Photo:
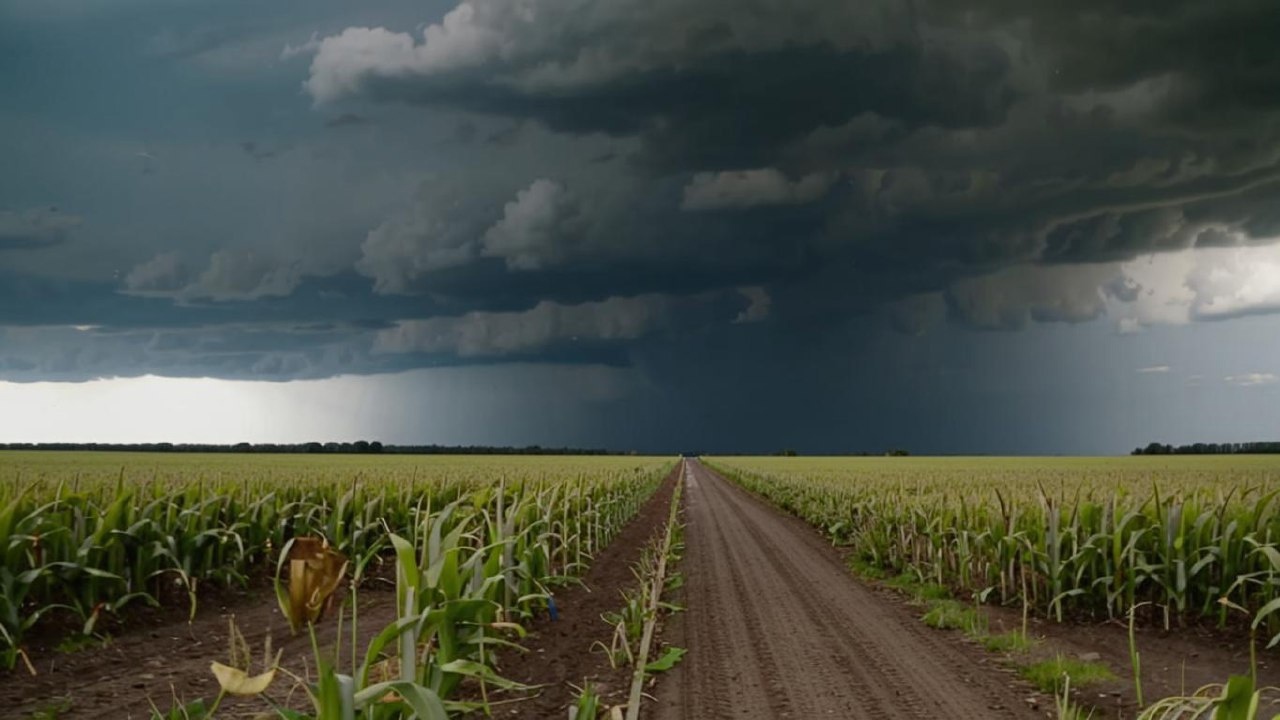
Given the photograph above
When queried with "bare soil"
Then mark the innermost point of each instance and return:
(561, 653)
(168, 659)
(1174, 662)
(776, 627)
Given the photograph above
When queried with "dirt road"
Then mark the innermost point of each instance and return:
(777, 628)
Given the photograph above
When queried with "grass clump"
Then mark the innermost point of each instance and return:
(943, 611)
(1051, 675)
(79, 643)
(52, 710)
(904, 583)
(931, 591)
(946, 613)
(1007, 642)
(866, 569)
(952, 615)
(923, 592)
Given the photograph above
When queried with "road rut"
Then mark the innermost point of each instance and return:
(776, 627)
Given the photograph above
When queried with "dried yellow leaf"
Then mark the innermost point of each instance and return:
(237, 682)
(315, 571)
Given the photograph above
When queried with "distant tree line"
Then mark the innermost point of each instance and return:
(1248, 448)
(360, 447)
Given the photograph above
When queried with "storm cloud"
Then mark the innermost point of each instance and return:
(951, 143)
(320, 189)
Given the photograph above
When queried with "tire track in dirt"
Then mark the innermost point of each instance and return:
(776, 627)
(765, 664)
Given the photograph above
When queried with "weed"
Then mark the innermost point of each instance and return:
(1051, 675)
(952, 615)
(1007, 642)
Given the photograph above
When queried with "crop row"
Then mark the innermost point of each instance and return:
(1072, 541)
(85, 548)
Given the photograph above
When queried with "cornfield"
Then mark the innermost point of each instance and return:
(475, 540)
(1069, 538)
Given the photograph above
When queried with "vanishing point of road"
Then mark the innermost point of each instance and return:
(776, 627)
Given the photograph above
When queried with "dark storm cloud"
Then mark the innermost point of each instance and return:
(1221, 52)
(32, 301)
(586, 333)
(550, 324)
(259, 351)
(587, 240)
(27, 300)
(731, 92)
(478, 188)
(713, 99)
(288, 352)
(938, 144)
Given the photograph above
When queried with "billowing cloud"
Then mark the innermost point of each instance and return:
(244, 275)
(541, 227)
(1235, 281)
(1207, 283)
(439, 231)
(1009, 299)
(749, 188)
(345, 62)
(549, 46)
(241, 275)
(482, 334)
(1213, 283)
(899, 156)
(708, 85)
(164, 274)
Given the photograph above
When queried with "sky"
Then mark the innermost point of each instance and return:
(986, 227)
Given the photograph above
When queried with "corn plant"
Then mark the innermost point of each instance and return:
(86, 535)
(1068, 538)
(1238, 699)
